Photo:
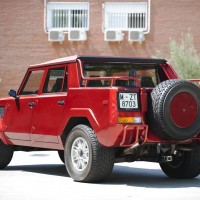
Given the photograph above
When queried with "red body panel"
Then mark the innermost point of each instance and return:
(39, 120)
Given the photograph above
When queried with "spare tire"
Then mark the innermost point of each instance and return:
(175, 110)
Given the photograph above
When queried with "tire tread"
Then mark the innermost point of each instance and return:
(102, 158)
(6, 154)
(189, 168)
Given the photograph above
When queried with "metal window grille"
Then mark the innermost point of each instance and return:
(126, 16)
(67, 15)
(136, 20)
(60, 18)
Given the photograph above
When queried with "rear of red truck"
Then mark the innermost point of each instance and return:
(139, 110)
(107, 110)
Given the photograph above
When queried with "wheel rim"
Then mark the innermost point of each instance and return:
(183, 110)
(177, 160)
(80, 154)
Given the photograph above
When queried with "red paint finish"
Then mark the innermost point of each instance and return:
(18, 115)
(40, 119)
(195, 81)
(169, 71)
(47, 114)
(183, 110)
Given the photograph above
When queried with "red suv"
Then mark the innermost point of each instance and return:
(96, 111)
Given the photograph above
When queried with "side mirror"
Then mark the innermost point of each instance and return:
(12, 93)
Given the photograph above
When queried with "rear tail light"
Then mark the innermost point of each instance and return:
(130, 118)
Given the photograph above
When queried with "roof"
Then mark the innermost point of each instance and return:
(101, 59)
(123, 59)
(57, 61)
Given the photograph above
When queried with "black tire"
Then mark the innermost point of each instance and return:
(94, 162)
(61, 155)
(6, 154)
(184, 166)
(175, 110)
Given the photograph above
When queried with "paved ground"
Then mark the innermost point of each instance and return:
(42, 176)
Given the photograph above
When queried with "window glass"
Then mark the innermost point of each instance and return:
(56, 81)
(67, 15)
(32, 84)
(126, 16)
(146, 74)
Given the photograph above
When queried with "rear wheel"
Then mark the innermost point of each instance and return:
(86, 160)
(185, 165)
(6, 154)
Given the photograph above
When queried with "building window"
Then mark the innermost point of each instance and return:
(126, 16)
(65, 16)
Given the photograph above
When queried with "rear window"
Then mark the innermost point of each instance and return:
(147, 74)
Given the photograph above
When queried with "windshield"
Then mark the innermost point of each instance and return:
(144, 73)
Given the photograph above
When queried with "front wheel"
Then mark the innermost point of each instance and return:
(86, 160)
(6, 154)
(185, 165)
(61, 155)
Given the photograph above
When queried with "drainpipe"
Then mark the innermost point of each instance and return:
(149, 17)
(45, 16)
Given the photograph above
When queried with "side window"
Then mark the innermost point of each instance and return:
(32, 83)
(56, 80)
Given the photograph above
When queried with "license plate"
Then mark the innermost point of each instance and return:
(128, 100)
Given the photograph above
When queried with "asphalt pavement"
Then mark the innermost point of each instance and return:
(42, 176)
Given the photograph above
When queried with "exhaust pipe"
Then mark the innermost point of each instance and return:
(130, 149)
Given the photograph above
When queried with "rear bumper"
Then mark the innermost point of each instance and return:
(133, 134)
(128, 135)
(123, 135)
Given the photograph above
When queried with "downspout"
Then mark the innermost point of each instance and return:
(149, 17)
(45, 16)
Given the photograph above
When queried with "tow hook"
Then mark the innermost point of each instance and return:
(166, 158)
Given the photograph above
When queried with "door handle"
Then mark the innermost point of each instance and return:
(61, 102)
(31, 104)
